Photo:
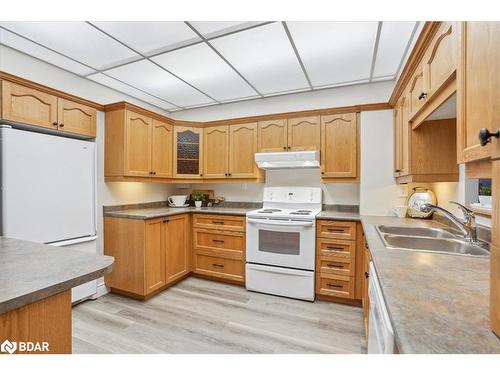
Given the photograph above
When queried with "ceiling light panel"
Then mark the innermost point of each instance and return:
(150, 37)
(394, 38)
(203, 68)
(210, 29)
(264, 56)
(77, 40)
(334, 52)
(21, 44)
(148, 77)
(131, 91)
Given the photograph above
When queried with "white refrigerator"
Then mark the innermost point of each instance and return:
(48, 192)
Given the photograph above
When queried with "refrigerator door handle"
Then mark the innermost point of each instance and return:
(73, 241)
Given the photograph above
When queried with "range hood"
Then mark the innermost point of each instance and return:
(287, 160)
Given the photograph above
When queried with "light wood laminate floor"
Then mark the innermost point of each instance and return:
(201, 316)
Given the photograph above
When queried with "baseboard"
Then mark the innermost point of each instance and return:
(102, 290)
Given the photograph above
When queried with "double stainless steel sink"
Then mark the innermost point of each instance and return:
(434, 240)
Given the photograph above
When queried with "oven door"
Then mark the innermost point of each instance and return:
(284, 243)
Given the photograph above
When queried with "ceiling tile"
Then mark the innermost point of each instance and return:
(264, 56)
(203, 68)
(77, 40)
(335, 52)
(150, 37)
(394, 38)
(21, 44)
(148, 77)
(128, 90)
(211, 29)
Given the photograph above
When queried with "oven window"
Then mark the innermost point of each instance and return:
(279, 242)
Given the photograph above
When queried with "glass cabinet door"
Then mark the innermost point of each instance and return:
(187, 152)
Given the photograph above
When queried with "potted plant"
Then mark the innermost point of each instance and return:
(198, 199)
(485, 192)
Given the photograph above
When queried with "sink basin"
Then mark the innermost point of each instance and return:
(415, 231)
(435, 245)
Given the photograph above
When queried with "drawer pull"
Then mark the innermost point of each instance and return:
(218, 222)
(334, 285)
(334, 265)
(218, 265)
(335, 248)
(218, 241)
(335, 230)
(367, 275)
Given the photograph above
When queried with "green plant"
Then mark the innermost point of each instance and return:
(485, 190)
(198, 197)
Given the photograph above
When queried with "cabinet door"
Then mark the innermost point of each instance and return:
(28, 106)
(339, 146)
(397, 138)
(161, 149)
(401, 138)
(416, 91)
(272, 136)
(242, 149)
(137, 145)
(177, 248)
(440, 60)
(76, 118)
(304, 133)
(188, 155)
(215, 154)
(155, 254)
(479, 87)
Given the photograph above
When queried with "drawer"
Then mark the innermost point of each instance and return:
(335, 286)
(336, 266)
(222, 222)
(232, 269)
(335, 248)
(229, 242)
(343, 230)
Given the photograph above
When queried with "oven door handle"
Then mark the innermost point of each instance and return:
(283, 223)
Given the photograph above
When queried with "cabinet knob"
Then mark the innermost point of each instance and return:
(422, 95)
(397, 170)
(289, 148)
(54, 123)
(225, 174)
(322, 172)
(201, 174)
(367, 275)
(61, 125)
(284, 147)
(229, 174)
(485, 136)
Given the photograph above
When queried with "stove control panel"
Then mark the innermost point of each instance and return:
(292, 194)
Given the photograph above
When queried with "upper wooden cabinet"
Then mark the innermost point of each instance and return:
(229, 151)
(339, 146)
(137, 146)
(272, 135)
(33, 107)
(216, 152)
(416, 91)
(242, 149)
(440, 60)
(293, 134)
(478, 87)
(401, 137)
(188, 152)
(304, 133)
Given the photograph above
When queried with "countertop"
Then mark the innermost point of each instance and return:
(437, 303)
(338, 215)
(31, 271)
(152, 213)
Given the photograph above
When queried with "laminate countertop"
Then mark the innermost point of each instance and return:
(155, 212)
(437, 303)
(31, 271)
(339, 215)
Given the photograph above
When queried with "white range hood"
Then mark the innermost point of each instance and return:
(287, 160)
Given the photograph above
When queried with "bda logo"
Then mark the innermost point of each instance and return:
(8, 347)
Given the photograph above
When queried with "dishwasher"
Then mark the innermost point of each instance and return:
(380, 332)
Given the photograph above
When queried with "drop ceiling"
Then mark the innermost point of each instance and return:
(179, 65)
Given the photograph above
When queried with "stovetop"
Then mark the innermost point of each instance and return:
(287, 213)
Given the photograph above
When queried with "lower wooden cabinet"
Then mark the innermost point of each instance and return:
(364, 280)
(219, 245)
(150, 255)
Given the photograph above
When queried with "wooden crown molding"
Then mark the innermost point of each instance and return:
(61, 94)
(137, 109)
(416, 55)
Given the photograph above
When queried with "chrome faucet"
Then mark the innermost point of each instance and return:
(467, 226)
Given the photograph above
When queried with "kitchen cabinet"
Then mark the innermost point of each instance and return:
(340, 146)
(219, 245)
(272, 135)
(29, 106)
(293, 134)
(401, 137)
(365, 282)
(188, 152)
(479, 87)
(229, 152)
(150, 255)
(137, 146)
(416, 91)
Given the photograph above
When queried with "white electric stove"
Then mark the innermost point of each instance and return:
(281, 238)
